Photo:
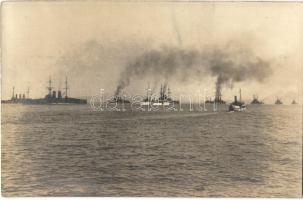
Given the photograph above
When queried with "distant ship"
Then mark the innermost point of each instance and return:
(294, 102)
(51, 98)
(218, 96)
(119, 99)
(164, 99)
(278, 102)
(216, 100)
(256, 100)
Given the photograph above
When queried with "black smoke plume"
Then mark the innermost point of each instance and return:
(228, 65)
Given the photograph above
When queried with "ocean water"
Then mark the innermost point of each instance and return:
(71, 150)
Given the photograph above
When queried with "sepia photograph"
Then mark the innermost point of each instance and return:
(151, 99)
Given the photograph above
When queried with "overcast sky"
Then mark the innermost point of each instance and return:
(92, 42)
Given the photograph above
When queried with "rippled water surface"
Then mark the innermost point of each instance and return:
(74, 151)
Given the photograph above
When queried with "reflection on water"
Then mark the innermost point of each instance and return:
(73, 151)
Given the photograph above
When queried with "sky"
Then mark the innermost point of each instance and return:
(92, 43)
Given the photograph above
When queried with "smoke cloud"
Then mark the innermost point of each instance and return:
(227, 65)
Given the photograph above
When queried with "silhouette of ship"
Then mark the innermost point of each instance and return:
(52, 97)
(294, 102)
(278, 102)
(256, 100)
(237, 106)
(216, 100)
(164, 99)
(118, 99)
(218, 96)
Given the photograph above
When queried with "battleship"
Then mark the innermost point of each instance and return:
(164, 99)
(278, 102)
(256, 100)
(53, 97)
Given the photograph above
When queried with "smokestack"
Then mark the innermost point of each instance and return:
(235, 99)
(161, 92)
(59, 94)
(13, 96)
(19, 96)
(23, 96)
(227, 65)
(66, 87)
(54, 94)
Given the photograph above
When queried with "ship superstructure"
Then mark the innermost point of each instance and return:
(118, 99)
(256, 100)
(278, 102)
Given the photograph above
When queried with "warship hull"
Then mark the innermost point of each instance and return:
(46, 101)
(55, 101)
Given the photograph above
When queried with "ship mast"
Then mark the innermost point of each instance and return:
(66, 87)
(147, 91)
(50, 87)
(218, 94)
(240, 95)
(13, 93)
(27, 92)
(161, 92)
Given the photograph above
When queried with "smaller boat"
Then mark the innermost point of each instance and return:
(237, 106)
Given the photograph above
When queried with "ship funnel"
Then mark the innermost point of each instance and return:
(54, 94)
(235, 99)
(59, 94)
(13, 96)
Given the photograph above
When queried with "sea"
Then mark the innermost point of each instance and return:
(74, 150)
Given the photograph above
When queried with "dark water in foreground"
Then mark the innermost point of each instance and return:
(73, 151)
